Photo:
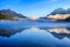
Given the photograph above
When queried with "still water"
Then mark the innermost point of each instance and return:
(34, 36)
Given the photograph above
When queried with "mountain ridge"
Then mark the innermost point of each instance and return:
(11, 13)
(60, 11)
(59, 14)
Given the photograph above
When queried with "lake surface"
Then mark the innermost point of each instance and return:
(34, 35)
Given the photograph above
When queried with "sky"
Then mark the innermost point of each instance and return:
(31, 8)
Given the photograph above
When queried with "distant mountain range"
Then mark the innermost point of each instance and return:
(10, 13)
(60, 11)
(60, 14)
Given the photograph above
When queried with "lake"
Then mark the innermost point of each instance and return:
(25, 34)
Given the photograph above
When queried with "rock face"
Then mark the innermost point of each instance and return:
(9, 12)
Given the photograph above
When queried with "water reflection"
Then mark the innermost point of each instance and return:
(59, 33)
(8, 32)
(35, 36)
(34, 28)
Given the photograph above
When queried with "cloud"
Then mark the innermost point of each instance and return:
(59, 16)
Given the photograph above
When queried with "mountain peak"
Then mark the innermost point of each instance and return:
(11, 13)
(8, 9)
(58, 11)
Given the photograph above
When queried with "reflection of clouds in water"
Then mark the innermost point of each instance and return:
(59, 33)
(59, 30)
(41, 36)
(34, 28)
(13, 31)
(56, 30)
(59, 16)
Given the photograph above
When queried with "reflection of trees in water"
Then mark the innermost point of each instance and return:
(59, 33)
(8, 32)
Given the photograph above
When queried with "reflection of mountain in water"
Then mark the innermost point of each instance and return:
(59, 33)
(8, 32)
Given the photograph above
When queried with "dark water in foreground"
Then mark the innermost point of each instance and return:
(34, 36)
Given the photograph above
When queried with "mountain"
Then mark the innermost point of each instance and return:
(68, 11)
(5, 17)
(9, 12)
(60, 14)
(59, 11)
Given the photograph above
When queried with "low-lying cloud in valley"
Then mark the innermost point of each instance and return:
(59, 16)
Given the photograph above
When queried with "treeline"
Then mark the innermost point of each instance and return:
(6, 17)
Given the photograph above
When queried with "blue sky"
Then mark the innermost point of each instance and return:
(34, 7)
